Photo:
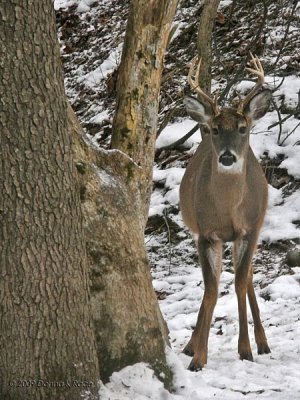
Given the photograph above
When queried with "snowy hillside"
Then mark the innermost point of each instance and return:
(91, 34)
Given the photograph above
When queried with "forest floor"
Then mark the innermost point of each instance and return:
(91, 34)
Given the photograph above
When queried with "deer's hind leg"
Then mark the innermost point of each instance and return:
(243, 251)
(210, 255)
(259, 332)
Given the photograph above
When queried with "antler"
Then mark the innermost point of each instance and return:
(259, 71)
(194, 83)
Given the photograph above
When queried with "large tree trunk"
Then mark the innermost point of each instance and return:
(47, 343)
(206, 25)
(115, 194)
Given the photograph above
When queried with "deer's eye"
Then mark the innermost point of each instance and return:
(205, 129)
(242, 130)
(215, 131)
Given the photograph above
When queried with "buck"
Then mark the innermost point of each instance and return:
(223, 198)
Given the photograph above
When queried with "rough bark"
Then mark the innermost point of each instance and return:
(47, 343)
(128, 322)
(135, 121)
(206, 25)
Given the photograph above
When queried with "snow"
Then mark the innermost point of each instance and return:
(289, 88)
(175, 131)
(136, 382)
(107, 180)
(171, 178)
(281, 214)
(63, 4)
(82, 5)
(273, 376)
(285, 287)
(225, 3)
(292, 162)
(94, 78)
(98, 118)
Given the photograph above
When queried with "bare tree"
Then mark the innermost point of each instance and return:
(135, 122)
(205, 30)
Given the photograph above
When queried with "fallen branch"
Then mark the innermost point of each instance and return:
(180, 141)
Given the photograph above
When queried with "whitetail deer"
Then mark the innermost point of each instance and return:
(223, 198)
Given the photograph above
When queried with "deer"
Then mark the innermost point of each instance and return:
(223, 198)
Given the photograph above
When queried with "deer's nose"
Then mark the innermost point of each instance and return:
(227, 158)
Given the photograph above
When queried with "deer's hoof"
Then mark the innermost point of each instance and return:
(195, 366)
(263, 349)
(246, 355)
(188, 350)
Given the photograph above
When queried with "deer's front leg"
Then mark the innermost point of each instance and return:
(210, 254)
(243, 252)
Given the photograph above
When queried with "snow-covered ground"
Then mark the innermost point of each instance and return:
(272, 376)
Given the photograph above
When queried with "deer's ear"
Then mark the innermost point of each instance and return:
(200, 111)
(258, 105)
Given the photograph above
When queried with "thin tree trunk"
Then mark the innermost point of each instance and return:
(47, 343)
(206, 25)
(135, 121)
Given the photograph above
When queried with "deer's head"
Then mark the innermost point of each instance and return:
(229, 128)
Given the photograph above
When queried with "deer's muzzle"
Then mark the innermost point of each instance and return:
(227, 158)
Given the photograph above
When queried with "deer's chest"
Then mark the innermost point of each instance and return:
(222, 219)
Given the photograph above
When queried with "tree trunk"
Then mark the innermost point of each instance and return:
(206, 25)
(135, 121)
(129, 324)
(47, 343)
(115, 194)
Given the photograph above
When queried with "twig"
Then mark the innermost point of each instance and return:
(279, 120)
(289, 134)
(169, 239)
(259, 132)
(278, 86)
(175, 157)
(297, 109)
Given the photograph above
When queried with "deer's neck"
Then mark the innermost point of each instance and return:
(228, 185)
